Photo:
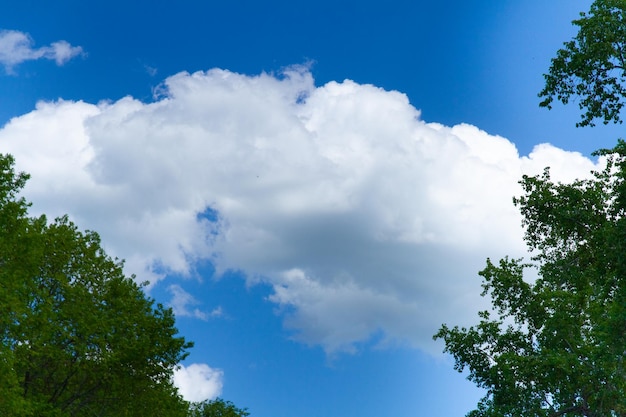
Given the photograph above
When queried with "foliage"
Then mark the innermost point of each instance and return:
(77, 337)
(592, 66)
(556, 345)
(216, 408)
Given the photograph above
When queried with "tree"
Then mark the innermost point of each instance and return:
(12, 221)
(77, 337)
(216, 408)
(556, 346)
(592, 66)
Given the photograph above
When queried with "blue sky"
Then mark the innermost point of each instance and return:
(312, 187)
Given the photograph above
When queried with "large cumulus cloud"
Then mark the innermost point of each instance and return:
(365, 219)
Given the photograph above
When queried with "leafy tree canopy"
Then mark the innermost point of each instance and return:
(556, 346)
(216, 408)
(592, 66)
(77, 337)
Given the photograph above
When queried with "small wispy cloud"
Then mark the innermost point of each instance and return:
(182, 303)
(17, 47)
(151, 71)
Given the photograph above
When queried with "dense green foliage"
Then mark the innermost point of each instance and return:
(216, 408)
(592, 66)
(77, 337)
(557, 345)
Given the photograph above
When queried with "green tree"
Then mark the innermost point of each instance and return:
(216, 408)
(556, 346)
(78, 337)
(12, 222)
(592, 66)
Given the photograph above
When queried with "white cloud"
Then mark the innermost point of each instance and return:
(364, 219)
(199, 382)
(17, 47)
(182, 304)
